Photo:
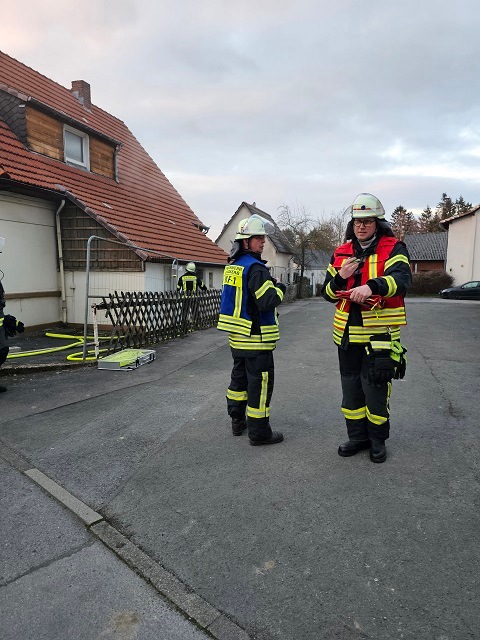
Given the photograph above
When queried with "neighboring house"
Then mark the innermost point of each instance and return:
(277, 251)
(69, 170)
(428, 251)
(316, 264)
(463, 253)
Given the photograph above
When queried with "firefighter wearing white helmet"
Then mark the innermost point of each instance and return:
(189, 283)
(248, 313)
(367, 279)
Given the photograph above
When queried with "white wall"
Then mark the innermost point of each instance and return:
(463, 250)
(29, 258)
(279, 263)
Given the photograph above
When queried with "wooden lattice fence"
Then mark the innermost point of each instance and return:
(142, 319)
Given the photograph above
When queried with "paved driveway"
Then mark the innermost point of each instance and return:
(291, 541)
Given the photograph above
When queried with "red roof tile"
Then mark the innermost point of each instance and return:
(143, 206)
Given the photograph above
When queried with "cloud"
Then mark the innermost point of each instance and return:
(307, 101)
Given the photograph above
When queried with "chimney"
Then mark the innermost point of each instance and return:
(81, 90)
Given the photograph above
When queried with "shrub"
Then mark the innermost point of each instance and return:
(430, 282)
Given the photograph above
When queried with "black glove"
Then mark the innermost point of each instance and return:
(400, 359)
(381, 367)
(12, 326)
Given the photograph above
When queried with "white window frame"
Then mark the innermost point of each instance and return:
(86, 148)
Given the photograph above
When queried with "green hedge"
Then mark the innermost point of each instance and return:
(430, 282)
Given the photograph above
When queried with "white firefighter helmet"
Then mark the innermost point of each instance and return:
(191, 267)
(252, 226)
(366, 206)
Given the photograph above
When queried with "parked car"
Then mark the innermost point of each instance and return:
(467, 291)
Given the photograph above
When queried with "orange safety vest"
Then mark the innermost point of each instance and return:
(374, 320)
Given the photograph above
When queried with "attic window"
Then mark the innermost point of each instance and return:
(76, 148)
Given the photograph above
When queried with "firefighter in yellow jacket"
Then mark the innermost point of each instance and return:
(367, 279)
(248, 312)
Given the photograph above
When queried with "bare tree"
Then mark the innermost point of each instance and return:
(297, 225)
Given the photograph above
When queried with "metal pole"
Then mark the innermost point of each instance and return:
(87, 285)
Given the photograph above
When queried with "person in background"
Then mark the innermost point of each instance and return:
(188, 285)
(9, 325)
(248, 313)
(190, 282)
(367, 279)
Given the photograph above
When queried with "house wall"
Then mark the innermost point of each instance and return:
(279, 263)
(426, 265)
(29, 259)
(463, 250)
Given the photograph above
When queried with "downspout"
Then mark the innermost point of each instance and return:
(60, 261)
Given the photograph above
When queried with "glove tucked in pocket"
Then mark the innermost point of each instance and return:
(381, 367)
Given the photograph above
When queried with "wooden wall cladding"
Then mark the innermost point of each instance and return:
(101, 158)
(45, 136)
(44, 133)
(77, 227)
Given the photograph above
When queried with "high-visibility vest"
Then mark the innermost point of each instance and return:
(392, 315)
(192, 279)
(234, 315)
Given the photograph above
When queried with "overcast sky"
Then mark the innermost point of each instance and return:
(302, 102)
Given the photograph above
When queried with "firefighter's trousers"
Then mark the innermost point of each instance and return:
(250, 391)
(364, 405)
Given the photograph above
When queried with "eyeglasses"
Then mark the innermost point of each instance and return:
(362, 223)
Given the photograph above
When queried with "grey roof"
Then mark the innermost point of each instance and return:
(276, 236)
(318, 259)
(427, 246)
(445, 223)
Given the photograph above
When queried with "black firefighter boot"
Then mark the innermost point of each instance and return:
(238, 426)
(357, 438)
(260, 432)
(351, 447)
(378, 452)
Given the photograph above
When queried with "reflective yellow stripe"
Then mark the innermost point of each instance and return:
(380, 317)
(246, 344)
(355, 414)
(266, 285)
(263, 392)
(376, 419)
(331, 270)
(279, 293)
(378, 345)
(329, 291)
(392, 286)
(258, 413)
(372, 266)
(391, 261)
(234, 325)
(238, 302)
(236, 395)
(1, 322)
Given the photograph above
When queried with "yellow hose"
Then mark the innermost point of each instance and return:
(79, 342)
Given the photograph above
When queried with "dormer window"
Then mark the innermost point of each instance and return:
(75, 145)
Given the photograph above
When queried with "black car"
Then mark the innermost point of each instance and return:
(467, 291)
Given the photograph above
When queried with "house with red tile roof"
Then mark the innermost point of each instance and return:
(69, 171)
(277, 251)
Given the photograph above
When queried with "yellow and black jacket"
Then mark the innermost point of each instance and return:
(248, 305)
(189, 283)
(385, 267)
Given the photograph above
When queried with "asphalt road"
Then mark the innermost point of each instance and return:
(292, 541)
